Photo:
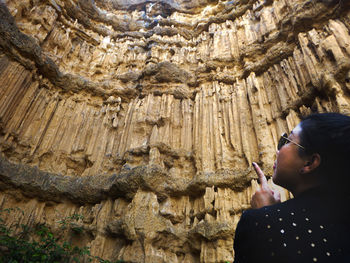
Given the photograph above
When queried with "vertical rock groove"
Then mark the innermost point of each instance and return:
(145, 116)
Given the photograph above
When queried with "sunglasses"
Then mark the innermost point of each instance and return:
(284, 140)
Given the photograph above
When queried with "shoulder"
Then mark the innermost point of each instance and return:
(259, 220)
(267, 211)
(253, 220)
(252, 231)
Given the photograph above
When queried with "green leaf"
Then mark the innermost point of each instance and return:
(44, 247)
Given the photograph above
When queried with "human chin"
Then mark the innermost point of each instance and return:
(274, 171)
(275, 177)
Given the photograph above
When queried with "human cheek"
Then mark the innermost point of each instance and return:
(277, 160)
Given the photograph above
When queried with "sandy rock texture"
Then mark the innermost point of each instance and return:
(145, 116)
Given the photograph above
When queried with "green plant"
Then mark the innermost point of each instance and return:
(38, 244)
(69, 222)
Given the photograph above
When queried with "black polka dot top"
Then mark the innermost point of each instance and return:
(313, 227)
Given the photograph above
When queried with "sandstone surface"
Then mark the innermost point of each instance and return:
(145, 116)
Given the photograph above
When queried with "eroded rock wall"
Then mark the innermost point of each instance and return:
(144, 117)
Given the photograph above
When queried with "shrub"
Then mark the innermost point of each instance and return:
(38, 244)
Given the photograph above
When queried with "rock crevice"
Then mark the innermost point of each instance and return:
(145, 116)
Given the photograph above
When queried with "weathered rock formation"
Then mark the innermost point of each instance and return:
(145, 116)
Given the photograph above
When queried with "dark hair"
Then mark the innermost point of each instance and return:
(328, 134)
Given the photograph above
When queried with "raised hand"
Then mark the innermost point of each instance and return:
(265, 195)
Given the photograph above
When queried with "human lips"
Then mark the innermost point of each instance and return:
(274, 165)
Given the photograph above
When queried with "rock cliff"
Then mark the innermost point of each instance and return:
(145, 116)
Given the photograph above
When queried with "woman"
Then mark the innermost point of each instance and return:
(312, 163)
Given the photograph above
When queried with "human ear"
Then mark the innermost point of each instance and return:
(312, 163)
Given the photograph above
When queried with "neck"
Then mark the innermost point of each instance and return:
(301, 188)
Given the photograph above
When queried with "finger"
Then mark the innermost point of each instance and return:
(261, 177)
